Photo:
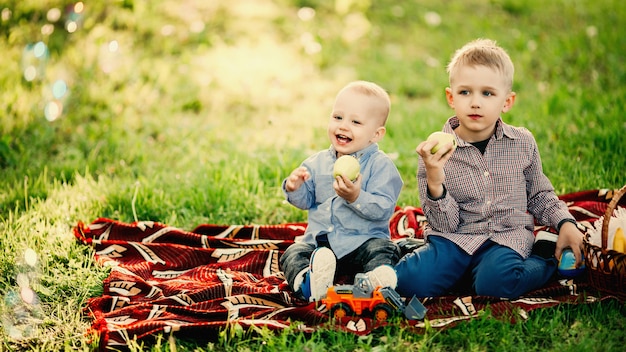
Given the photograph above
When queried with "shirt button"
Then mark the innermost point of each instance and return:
(358, 206)
(330, 229)
(486, 173)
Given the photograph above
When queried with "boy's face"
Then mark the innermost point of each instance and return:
(478, 95)
(356, 122)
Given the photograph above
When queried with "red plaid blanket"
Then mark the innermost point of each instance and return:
(196, 283)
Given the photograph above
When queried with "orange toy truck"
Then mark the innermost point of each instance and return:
(380, 302)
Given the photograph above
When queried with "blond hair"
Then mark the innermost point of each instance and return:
(483, 52)
(374, 90)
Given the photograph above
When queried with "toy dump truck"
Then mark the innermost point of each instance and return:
(362, 297)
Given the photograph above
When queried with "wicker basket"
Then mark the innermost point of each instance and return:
(606, 268)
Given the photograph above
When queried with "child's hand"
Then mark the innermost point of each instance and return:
(434, 163)
(297, 178)
(440, 157)
(570, 236)
(347, 189)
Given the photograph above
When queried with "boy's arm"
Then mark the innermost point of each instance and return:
(439, 207)
(377, 200)
(297, 190)
(549, 210)
(543, 202)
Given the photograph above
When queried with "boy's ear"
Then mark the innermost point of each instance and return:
(508, 103)
(379, 134)
(450, 97)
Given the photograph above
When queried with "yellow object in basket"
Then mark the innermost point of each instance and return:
(619, 243)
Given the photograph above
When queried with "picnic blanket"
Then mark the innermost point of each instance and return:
(197, 283)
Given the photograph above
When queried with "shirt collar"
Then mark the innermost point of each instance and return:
(361, 154)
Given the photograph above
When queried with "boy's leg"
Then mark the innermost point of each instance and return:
(376, 252)
(376, 257)
(499, 271)
(432, 269)
(321, 274)
(309, 271)
(295, 262)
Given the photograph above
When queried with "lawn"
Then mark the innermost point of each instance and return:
(187, 112)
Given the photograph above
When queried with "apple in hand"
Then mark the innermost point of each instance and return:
(442, 138)
(348, 166)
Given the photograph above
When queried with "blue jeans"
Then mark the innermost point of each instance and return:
(371, 254)
(494, 270)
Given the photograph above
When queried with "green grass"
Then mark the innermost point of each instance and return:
(200, 125)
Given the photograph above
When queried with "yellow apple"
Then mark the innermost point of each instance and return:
(442, 138)
(348, 166)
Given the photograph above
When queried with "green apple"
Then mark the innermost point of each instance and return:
(348, 166)
(442, 138)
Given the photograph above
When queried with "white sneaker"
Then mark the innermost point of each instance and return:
(384, 275)
(322, 268)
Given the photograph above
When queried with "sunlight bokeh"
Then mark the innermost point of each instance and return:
(277, 80)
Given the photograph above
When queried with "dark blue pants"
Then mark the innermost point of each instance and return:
(371, 254)
(494, 270)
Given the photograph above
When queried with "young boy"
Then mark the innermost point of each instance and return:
(481, 199)
(348, 222)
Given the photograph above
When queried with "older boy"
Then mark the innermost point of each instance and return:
(482, 198)
(348, 222)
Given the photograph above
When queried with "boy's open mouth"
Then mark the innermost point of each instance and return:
(343, 139)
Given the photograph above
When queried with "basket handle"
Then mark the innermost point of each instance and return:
(608, 213)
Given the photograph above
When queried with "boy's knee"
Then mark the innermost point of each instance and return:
(296, 252)
(380, 252)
